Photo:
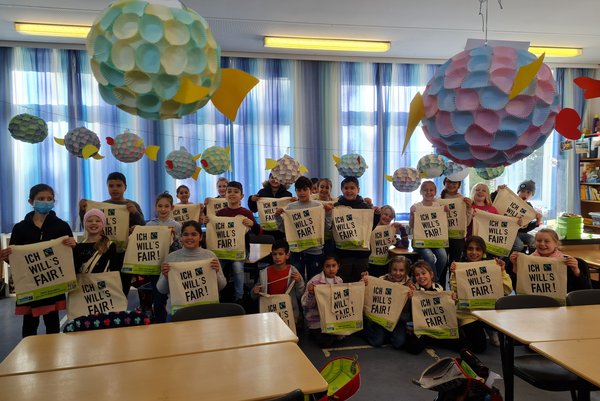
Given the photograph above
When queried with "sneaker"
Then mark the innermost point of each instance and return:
(494, 340)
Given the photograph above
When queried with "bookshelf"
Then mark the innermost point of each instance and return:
(589, 190)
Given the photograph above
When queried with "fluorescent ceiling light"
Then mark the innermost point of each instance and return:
(327, 44)
(67, 31)
(556, 51)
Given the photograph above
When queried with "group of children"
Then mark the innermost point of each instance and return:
(313, 266)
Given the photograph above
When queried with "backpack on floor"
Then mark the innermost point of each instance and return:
(454, 380)
(343, 377)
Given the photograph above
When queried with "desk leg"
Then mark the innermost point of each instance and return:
(507, 353)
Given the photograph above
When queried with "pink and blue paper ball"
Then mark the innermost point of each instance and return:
(469, 118)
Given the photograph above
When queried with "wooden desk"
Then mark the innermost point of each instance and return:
(258, 252)
(538, 325)
(545, 324)
(394, 251)
(590, 253)
(578, 356)
(253, 373)
(89, 348)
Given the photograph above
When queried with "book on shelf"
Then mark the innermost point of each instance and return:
(585, 170)
(588, 192)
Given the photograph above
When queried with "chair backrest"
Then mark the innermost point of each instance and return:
(583, 297)
(525, 302)
(584, 270)
(208, 311)
(261, 239)
(295, 395)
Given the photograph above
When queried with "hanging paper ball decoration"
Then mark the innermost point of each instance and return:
(181, 164)
(469, 117)
(489, 173)
(431, 166)
(28, 128)
(286, 170)
(78, 138)
(351, 165)
(216, 160)
(406, 179)
(142, 54)
(129, 147)
(456, 172)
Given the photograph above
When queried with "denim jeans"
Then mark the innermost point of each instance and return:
(308, 265)
(436, 258)
(236, 269)
(159, 302)
(376, 335)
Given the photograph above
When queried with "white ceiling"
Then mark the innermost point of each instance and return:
(425, 29)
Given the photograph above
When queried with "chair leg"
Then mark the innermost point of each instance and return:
(507, 354)
(581, 395)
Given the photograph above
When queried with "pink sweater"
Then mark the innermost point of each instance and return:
(309, 301)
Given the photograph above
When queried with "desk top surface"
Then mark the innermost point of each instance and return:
(99, 347)
(252, 373)
(545, 324)
(400, 251)
(578, 356)
(258, 252)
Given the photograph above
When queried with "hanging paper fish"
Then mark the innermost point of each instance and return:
(405, 179)
(216, 160)
(490, 173)
(81, 142)
(350, 165)
(159, 61)
(28, 128)
(181, 164)
(129, 147)
(431, 166)
(456, 172)
(286, 169)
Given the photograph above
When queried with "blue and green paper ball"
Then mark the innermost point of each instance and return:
(216, 160)
(28, 128)
(490, 173)
(431, 166)
(141, 52)
(351, 165)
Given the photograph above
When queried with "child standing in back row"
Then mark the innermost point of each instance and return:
(433, 256)
(164, 207)
(234, 195)
(41, 224)
(525, 191)
(308, 260)
(353, 262)
(271, 189)
(117, 185)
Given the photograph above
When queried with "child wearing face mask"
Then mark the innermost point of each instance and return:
(40, 225)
